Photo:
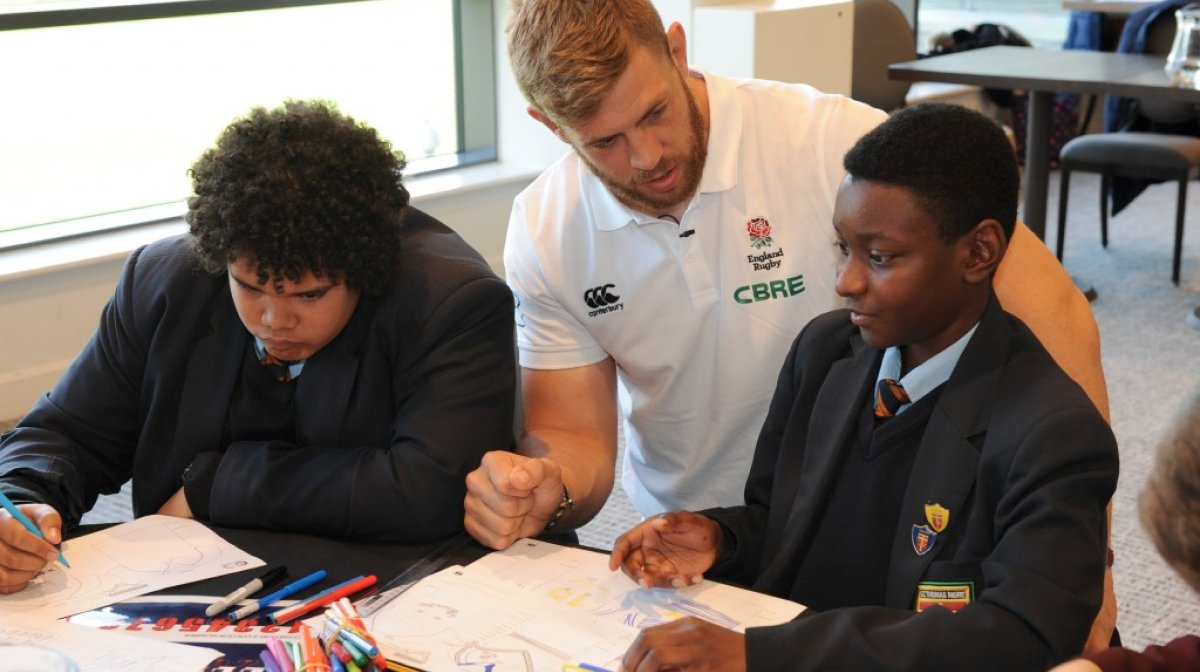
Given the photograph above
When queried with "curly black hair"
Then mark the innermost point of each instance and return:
(958, 164)
(297, 189)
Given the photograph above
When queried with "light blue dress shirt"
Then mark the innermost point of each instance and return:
(925, 377)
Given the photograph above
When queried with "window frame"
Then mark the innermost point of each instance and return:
(475, 85)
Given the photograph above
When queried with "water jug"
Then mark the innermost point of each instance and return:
(1184, 60)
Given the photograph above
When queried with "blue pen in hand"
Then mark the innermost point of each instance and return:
(16, 513)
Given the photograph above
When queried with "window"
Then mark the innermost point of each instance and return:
(113, 102)
(1042, 22)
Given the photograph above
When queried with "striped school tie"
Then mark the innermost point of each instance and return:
(278, 368)
(889, 397)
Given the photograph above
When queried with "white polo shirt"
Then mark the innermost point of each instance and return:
(698, 324)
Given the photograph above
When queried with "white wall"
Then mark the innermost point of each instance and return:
(44, 321)
(808, 41)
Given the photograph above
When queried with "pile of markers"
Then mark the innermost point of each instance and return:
(343, 645)
(325, 597)
(280, 616)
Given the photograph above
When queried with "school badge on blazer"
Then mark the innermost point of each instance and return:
(937, 516)
(952, 595)
(922, 538)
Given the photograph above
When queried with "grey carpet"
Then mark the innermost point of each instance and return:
(1150, 364)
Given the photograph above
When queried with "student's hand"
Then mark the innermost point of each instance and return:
(686, 644)
(670, 549)
(511, 496)
(22, 554)
(176, 506)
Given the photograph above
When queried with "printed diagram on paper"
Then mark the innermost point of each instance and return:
(457, 620)
(580, 580)
(127, 560)
(537, 606)
(97, 651)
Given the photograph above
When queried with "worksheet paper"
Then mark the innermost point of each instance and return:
(95, 651)
(127, 560)
(537, 606)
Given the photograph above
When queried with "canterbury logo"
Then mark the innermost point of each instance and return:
(598, 297)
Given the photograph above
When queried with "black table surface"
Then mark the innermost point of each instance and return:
(304, 554)
(1008, 67)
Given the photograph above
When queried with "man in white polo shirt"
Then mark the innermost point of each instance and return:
(697, 314)
(676, 253)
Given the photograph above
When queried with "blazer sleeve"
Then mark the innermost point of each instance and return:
(1042, 578)
(746, 527)
(454, 401)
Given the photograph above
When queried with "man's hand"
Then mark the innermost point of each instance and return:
(686, 644)
(511, 496)
(176, 506)
(22, 554)
(671, 549)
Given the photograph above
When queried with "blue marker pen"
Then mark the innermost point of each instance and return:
(286, 591)
(21, 518)
(359, 643)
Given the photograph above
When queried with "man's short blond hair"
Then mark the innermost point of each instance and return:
(1170, 501)
(566, 54)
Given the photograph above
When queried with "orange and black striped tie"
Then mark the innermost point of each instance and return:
(889, 397)
(279, 369)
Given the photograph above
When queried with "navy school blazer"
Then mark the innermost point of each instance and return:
(390, 416)
(1014, 451)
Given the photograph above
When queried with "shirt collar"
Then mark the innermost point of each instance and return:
(924, 378)
(294, 368)
(724, 134)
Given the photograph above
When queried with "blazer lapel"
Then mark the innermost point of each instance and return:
(943, 474)
(322, 395)
(212, 369)
(944, 471)
(324, 387)
(831, 424)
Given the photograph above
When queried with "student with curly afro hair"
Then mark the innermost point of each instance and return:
(312, 339)
(335, 197)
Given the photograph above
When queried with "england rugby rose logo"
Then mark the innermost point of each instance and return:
(760, 232)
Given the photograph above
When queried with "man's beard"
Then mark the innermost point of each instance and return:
(691, 165)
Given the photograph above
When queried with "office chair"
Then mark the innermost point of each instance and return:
(882, 37)
(1150, 156)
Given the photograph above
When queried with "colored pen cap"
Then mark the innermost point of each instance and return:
(272, 577)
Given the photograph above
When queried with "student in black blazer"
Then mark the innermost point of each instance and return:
(316, 355)
(965, 530)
